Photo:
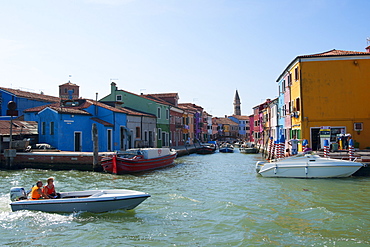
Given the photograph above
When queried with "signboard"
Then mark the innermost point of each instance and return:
(12, 113)
(325, 131)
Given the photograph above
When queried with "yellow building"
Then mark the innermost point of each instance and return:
(330, 89)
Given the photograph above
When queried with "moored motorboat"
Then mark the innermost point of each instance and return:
(95, 201)
(206, 148)
(138, 160)
(307, 166)
(248, 148)
(226, 148)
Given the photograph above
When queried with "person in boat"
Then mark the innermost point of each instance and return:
(37, 193)
(49, 189)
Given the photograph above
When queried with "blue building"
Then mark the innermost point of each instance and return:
(23, 99)
(68, 126)
(243, 126)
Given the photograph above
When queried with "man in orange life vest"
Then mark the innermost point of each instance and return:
(37, 193)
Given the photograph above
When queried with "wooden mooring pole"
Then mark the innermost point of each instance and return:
(96, 166)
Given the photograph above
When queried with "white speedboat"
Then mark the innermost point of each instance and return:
(95, 201)
(307, 166)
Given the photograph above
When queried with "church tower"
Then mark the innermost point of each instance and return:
(237, 104)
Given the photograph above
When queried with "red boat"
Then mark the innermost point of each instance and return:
(138, 160)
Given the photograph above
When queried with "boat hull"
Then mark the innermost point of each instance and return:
(308, 167)
(85, 201)
(118, 165)
(248, 150)
(205, 150)
(226, 150)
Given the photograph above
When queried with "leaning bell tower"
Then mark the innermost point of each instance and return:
(237, 104)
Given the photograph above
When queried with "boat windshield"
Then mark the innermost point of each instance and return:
(128, 153)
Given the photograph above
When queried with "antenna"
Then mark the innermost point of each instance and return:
(113, 79)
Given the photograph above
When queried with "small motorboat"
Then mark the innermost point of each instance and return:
(138, 160)
(206, 148)
(307, 166)
(95, 201)
(226, 148)
(248, 148)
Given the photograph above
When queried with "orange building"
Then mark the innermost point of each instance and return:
(330, 89)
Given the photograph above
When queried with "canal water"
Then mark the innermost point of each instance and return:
(210, 200)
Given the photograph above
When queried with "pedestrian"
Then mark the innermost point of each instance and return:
(294, 144)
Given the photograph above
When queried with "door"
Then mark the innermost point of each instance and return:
(109, 140)
(122, 138)
(151, 139)
(315, 139)
(77, 142)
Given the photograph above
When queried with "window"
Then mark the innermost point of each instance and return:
(146, 136)
(159, 112)
(137, 132)
(109, 140)
(159, 133)
(43, 128)
(167, 114)
(297, 104)
(51, 128)
(358, 126)
(119, 97)
(296, 74)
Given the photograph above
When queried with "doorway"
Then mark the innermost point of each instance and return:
(77, 142)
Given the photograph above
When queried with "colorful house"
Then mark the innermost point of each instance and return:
(243, 125)
(330, 89)
(23, 99)
(147, 105)
(67, 126)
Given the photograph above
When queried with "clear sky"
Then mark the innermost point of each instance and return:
(202, 49)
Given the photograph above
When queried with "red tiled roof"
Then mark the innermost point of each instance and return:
(69, 83)
(105, 123)
(331, 53)
(85, 103)
(19, 127)
(240, 117)
(336, 53)
(29, 95)
(224, 121)
(154, 98)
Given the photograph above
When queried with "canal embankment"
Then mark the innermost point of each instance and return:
(65, 160)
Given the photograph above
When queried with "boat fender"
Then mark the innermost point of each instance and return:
(306, 170)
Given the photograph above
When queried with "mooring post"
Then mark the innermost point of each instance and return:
(96, 147)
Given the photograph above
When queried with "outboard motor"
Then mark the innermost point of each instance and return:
(17, 193)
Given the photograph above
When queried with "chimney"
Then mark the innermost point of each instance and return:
(367, 49)
(113, 87)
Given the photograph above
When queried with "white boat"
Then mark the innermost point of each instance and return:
(95, 201)
(307, 166)
(226, 148)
